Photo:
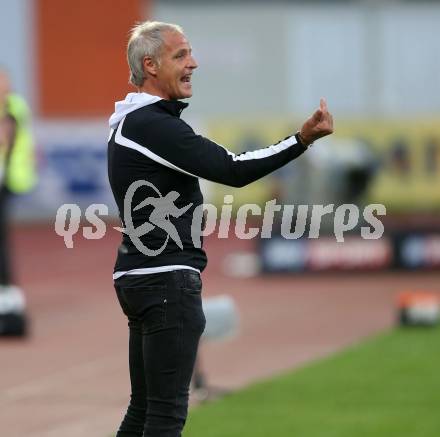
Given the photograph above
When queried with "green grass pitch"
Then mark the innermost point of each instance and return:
(387, 386)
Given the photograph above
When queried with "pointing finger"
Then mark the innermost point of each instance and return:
(323, 104)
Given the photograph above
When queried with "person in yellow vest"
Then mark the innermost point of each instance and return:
(17, 176)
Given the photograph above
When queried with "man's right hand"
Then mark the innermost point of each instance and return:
(319, 125)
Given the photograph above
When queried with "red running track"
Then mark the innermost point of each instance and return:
(70, 376)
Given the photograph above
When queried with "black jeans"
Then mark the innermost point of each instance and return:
(5, 268)
(166, 320)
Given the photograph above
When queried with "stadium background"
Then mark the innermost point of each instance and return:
(263, 68)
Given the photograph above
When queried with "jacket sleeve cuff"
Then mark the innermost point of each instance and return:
(300, 143)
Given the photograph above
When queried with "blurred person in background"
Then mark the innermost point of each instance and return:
(17, 175)
(157, 274)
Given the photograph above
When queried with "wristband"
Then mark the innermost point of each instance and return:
(301, 141)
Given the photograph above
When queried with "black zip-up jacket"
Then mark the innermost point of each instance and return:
(154, 145)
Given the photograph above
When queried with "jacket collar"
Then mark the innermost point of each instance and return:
(174, 107)
(134, 101)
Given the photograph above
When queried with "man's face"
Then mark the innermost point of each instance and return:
(176, 67)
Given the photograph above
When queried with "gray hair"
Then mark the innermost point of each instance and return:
(146, 39)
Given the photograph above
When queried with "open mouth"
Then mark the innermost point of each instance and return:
(186, 78)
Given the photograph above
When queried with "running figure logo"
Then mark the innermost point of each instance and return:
(164, 208)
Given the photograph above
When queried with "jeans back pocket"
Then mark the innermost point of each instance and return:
(192, 283)
(147, 304)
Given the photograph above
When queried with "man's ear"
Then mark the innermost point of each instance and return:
(150, 66)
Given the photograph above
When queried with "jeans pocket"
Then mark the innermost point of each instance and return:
(147, 304)
(192, 283)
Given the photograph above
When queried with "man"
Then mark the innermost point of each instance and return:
(152, 152)
(17, 175)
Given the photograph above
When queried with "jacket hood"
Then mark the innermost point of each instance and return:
(132, 102)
